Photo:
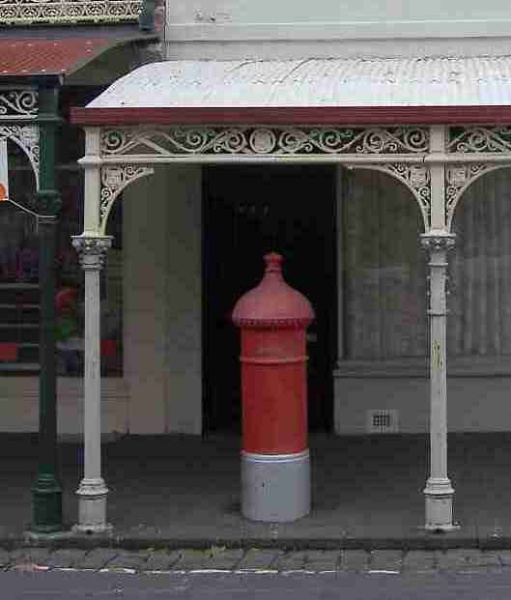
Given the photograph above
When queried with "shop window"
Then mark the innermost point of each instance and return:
(19, 278)
(384, 270)
(385, 273)
(479, 321)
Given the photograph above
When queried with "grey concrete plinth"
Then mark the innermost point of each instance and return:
(275, 487)
(439, 514)
(92, 496)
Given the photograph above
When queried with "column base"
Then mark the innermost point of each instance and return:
(46, 505)
(275, 487)
(439, 499)
(92, 495)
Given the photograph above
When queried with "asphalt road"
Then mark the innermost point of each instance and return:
(76, 585)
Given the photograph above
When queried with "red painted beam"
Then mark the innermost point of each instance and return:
(312, 115)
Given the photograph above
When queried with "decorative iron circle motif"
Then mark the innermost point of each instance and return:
(262, 141)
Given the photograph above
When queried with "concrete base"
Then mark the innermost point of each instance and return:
(35, 537)
(92, 495)
(275, 488)
(439, 495)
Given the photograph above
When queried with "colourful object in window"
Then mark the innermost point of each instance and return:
(66, 328)
(108, 348)
(66, 298)
(8, 352)
(67, 325)
(4, 170)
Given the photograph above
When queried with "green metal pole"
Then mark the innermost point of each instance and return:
(47, 492)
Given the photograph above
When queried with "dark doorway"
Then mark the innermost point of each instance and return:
(248, 211)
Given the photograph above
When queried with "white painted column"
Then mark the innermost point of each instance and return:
(92, 248)
(92, 492)
(439, 491)
(437, 241)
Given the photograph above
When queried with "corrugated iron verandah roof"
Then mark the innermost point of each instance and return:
(316, 91)
(36, 57)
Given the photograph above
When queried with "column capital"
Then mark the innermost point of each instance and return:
(92, 250)
(436, 240)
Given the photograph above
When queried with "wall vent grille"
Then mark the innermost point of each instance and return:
(382, 421)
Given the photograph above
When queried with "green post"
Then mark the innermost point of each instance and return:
(46, 491)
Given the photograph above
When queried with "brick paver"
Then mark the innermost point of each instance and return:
(161, 560)
(484, 558)
(129, 560)
(419, 560)
(66, 558)
(505, 557)
(386, 560)
(5, 558)
(38, 556)
(455, 560)
(323, 560)
(291, 561)
(260, 559)
(463, 559)
(98, 558)
(191, 559)
(224, 558)
(312, 560)
(354, 560)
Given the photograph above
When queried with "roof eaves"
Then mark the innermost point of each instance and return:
(58, 77)
(135, 39)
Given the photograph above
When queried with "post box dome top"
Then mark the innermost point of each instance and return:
(273, 302)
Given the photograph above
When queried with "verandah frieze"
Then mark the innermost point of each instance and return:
(363, 147)
(259, 141)
(18, 104)
(476, 139)
(21, 12)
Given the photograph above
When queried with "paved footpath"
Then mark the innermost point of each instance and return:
(242, 560)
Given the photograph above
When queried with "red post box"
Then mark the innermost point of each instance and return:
(275, 468)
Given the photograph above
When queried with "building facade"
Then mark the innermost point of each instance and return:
(369, 145)
(369, 346)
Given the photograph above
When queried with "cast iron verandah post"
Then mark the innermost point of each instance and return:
(46, 491)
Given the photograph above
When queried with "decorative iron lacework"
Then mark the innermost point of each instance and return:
(92, 251)
(18, 104)
(479, 139)
(435, 242)
(27, 138)
(457, 179)
(417, 179)
(264, 141)
(22, 12)
(113, 181)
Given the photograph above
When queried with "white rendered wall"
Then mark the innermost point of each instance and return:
(19, 405)
(336, 11)
(183, 193)
(162, 301)
(231, 28)
(473, 403)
